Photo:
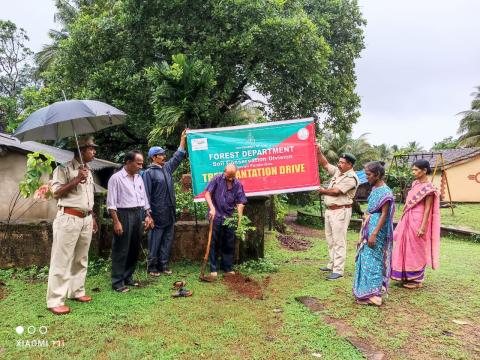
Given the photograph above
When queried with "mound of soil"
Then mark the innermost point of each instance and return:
(245, 286)
(294, 243)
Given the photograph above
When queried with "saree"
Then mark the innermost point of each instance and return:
(373, 265)
(412, 253)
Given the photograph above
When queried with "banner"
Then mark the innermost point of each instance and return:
(272, 158)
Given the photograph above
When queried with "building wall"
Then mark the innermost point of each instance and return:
(12, 171)
(464, 181)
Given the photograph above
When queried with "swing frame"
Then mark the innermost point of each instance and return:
(439, 166)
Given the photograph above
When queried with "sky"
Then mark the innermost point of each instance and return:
(418, 69)
(420, 65)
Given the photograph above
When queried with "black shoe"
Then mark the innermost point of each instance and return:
(334, 276)
(325, 268)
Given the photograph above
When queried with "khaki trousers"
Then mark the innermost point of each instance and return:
(69, 259)
(336, 226)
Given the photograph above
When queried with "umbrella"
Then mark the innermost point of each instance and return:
(69, 118)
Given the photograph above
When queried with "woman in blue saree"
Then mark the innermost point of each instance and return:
(374, 252)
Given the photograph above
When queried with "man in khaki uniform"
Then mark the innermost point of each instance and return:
(338, 200)
(73, 186)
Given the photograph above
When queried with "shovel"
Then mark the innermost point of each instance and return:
(205, 258)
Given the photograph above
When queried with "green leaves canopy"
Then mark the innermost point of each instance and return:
(299, 53)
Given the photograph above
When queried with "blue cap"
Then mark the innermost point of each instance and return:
(155, 150)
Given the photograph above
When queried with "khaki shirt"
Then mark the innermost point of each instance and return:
(347, 183)
(81, 196)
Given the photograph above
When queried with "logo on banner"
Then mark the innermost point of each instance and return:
(303, 134)
(199, 144)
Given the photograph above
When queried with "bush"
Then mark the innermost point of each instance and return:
(262, 265)
(184, 200)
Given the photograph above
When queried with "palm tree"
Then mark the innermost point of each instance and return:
(413, 147)
(336, 144)
(469, 129)
(65, 16)
(384, 151)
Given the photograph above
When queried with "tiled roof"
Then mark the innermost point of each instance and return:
(60, 155)
(450, 156)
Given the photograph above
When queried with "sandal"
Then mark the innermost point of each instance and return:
(179, 284)
(412, 285)
(154, 273)
(182, 293)
(134, 283)
(122, 289)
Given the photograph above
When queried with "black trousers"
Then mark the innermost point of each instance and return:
(223, 244)
(126, 248)
(160, 240)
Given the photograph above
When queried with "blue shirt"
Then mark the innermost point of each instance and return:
(224, 199)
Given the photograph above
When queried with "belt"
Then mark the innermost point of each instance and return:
(336, 207)
(76, 212)
(131, 208)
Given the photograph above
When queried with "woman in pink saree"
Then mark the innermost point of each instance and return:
(417, 235)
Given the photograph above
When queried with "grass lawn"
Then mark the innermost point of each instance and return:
(465, 216)
(217, 323)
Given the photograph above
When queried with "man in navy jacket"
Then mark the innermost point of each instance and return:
(161, 195)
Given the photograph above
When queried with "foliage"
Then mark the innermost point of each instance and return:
(447, 143)
(302, 198)
(413, 147)
(281, 210)
(469, 129)
(313, 209)
(262, 265)
(181, 96)
(15, 71)
(399, 178)
(98, 266)
(242, 228)
(184, 200)
(30, 273)
(335, 144)
(38, 165)
(300, 54)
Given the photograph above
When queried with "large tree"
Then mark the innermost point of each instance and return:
(469, 129)
(133, 54)
(15, 71)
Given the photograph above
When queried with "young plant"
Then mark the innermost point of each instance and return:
(38, 164)
(241, 229)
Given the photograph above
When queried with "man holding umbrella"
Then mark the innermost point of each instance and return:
(73, 186)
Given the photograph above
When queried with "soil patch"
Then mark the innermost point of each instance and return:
(3, 290)
(302, 230)
(245, 285)
(343, 329)
(294, 243)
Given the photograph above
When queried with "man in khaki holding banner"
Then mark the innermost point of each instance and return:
(338, 200)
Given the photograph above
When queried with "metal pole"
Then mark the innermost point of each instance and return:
(75, 134)
(446, 180)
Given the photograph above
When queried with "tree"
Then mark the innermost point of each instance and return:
(299, 54)
(447, 143)
(384, 152)
(334, 145)
(66, 14)
(413, 147)
(469, 129)
(15, 72)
